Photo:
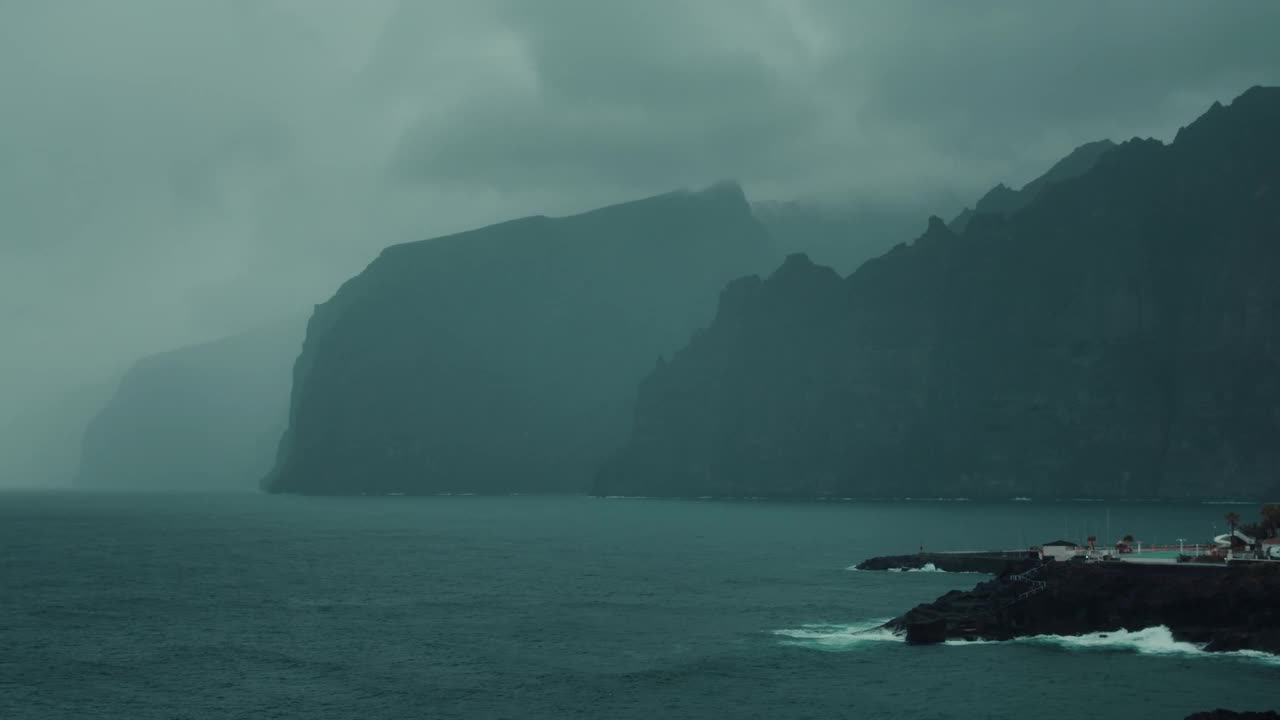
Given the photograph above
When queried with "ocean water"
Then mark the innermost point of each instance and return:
(153, 606)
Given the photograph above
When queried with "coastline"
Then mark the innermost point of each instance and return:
(1220, 608)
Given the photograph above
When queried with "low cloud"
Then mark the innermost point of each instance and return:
(175, 170)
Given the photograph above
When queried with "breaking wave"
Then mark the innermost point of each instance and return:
(1156, 640)
(838, 637)
(926, 568)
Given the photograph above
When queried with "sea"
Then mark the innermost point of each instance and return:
(253, 606)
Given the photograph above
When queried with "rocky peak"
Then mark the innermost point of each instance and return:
(799, 271)
(1114, 336)
(1250, 118)
(1004, 201)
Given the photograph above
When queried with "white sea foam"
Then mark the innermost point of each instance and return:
(926, 568)
(1149, 641)
(839, 637)
(1156, 640)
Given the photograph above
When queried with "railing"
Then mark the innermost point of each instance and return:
(1028, 576)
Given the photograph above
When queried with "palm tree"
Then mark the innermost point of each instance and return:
(1232, 520)
(1271, 518)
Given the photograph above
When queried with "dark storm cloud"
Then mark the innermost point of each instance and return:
(636, 94)
(869, 97)
(174, 170)
(1003, 77)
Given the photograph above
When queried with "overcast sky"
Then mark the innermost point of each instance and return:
(176, 170)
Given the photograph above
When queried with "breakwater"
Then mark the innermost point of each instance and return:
(991, 562)
(1221, 608)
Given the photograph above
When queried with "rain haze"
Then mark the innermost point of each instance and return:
(634, 359)
(177, 171)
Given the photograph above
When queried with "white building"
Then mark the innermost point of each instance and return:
(1059, 550)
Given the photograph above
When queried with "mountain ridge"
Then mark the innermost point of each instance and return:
(1109, 339)
(503, 359)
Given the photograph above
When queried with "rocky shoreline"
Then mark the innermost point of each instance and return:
(1221, 608)
(993, 562)
(1233, 715)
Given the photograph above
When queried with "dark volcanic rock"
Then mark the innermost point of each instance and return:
(1230, 715)
(1119, 336)
(203, 417)
(926, 630)
(505, 359)
(1222, 608)
(993, 563)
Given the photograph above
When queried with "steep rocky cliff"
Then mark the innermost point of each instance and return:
(1003, 200)
(1118, 336)
(204, 417)
(505, 359)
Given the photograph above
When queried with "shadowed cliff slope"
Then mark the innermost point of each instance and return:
(505, 359)
(204, 417)
(1003, 200)
(1118, 336)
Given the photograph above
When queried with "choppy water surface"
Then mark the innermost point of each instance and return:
(131, 606)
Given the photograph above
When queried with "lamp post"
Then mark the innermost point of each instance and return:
(1180, 548)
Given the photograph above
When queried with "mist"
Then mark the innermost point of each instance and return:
(177, 171)
(639, 358)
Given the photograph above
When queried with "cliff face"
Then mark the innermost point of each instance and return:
(1004, 201)
(1118, 336)
(204, 417)
(505, 359)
